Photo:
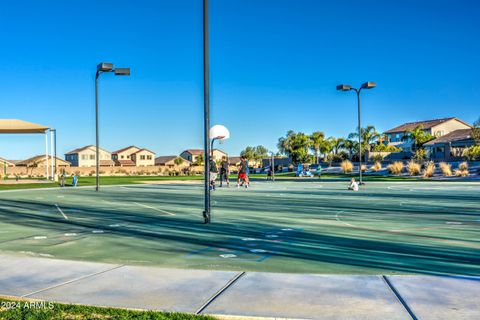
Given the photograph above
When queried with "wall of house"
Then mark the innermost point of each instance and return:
(144, 158)
(447, 127)
(86, 158)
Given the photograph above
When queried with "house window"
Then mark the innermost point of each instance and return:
(92, 157)
(142, 157)
(84, 157)
(149, 157)
(121, 157)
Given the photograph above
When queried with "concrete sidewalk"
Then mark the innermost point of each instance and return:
(224, 293)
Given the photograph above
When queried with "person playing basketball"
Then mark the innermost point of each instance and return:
(242, 174)
(224, 172)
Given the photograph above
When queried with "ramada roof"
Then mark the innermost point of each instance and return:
(84, 148)
(425, 124)
(40, 158)
(457, 135)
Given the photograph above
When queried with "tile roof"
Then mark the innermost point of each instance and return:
(91, 147)
(425, 124)
(124, 149)
(144, 150)
(457, 135)
(124, 163)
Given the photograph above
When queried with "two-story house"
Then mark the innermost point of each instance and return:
(86, 157)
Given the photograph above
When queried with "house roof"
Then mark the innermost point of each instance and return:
(141, 150)
(20, 126)
(84, 148)
(165, 159)
(425, 124)
(124, 163)
(41, 158)
(197, 152)
(10, 163)
(107, 163)
(234, 160)
(457, 135)
(124, 149)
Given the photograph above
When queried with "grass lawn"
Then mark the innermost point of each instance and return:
(118, 180)
(39, 310)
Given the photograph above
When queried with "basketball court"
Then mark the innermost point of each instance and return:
(287, 226)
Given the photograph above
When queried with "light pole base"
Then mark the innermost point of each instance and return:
(206, 217)
(361, 183)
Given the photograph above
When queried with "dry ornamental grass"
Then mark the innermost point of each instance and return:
(395, 168)
(429, 170)
(446, 169)
(346, 166)
(413, 168)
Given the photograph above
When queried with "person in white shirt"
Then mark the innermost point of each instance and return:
(353, 185)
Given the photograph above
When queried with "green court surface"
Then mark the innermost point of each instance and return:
(286, 226)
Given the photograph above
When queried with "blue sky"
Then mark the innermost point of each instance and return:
(274, 67)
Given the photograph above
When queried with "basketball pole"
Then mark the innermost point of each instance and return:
(206, 111)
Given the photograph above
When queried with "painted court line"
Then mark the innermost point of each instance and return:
(60, 210)
(222, 290)
(71, 281)
(153, 208)
(399, 297)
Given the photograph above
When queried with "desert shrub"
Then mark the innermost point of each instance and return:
(395, 168)
(347, 166)
(429, 169)
(334, 158)
(463, 166)
(364, 168)
(472, 153)
(385, 148)
(377, 157)
(413, 168)
(462, 170)
(420, 154)
(377, 166)
(446, 169)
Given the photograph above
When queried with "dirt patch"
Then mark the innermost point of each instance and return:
(24, 181)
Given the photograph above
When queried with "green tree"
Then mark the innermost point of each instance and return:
(255, 153)
(336, 144)
(295, 145)
(419, 136)
(178, 161)
(369, 136)
(476, 131)
(350, 145)
(316, 140)
(199, 160)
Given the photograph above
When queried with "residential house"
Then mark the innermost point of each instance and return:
(143, 158)
(133, 156)
(40, 162)
(437, 128)
(85, 157)
(451, 146)
(123, 157)
(171, 162)
(193, 154)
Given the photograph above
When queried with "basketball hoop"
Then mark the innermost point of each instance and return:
(219, 132)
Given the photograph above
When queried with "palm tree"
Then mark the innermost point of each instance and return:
(316, 140)
(336, 143)
(418, 135)
(350, 145)
(369, 137)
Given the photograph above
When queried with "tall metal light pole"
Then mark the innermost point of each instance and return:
(346, 87)
(206, 113)
(54, 152)
(101, 68)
